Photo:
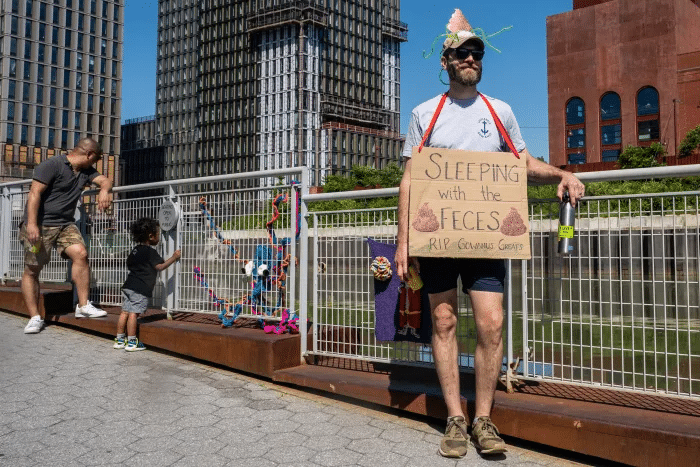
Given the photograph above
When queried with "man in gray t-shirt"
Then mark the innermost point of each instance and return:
(49, 223)
(465, 122)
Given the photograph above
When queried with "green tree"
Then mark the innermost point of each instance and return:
(364, 176)
(634, 157)
(690, 142)
(367, 176)
(390, 176)
(336, 183)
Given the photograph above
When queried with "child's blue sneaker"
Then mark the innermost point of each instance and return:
(119, 342)
(134, 346)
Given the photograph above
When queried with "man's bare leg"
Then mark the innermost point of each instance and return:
(80, 271)
(488, 315)
(30, 289)
(443, 308)
(444, 315)
(488, 359)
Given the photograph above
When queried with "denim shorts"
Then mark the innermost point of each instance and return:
(480, 275)
(134, 302)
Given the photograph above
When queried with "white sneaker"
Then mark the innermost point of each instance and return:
(89, 311)
(34, 325)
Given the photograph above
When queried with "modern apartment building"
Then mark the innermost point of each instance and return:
(621, 73)
(60, 80)
(264, 84)
(142, 159)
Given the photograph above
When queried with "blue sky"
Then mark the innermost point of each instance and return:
(518, 75)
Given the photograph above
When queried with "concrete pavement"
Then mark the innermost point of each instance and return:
(68, 398)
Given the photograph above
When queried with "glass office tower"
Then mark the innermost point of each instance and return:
(264, 84)
(60, 80)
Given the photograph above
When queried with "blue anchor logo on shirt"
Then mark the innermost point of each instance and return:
(484, 132)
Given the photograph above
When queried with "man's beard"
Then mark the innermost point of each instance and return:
(464, 79)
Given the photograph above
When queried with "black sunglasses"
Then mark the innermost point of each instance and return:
(462, 54)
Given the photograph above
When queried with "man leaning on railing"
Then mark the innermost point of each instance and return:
(49, 223)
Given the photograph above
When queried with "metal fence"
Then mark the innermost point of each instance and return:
(13, 197)
(622, 311)
(222, 226)
(343, 309)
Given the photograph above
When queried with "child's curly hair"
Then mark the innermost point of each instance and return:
(142, 228)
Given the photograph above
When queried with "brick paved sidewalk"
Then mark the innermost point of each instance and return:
(68, 398)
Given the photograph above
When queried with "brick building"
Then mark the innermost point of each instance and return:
(621, 73)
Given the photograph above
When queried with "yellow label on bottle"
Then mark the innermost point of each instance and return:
(566, 231)
(414, 280)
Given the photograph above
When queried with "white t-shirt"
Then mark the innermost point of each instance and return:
(465, 124)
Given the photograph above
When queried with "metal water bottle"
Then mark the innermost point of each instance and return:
(567, 216)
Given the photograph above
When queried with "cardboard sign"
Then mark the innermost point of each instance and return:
(468, 205)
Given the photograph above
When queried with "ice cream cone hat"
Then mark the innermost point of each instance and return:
(459, 31)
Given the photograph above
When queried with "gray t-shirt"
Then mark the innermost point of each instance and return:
(63, 189)
(465, 124)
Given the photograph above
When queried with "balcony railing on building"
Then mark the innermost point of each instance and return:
(138, 144)
(297, 12)
(396, 29)
(363, 130)
(131, 121)
(346, 110)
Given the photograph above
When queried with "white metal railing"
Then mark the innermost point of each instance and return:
(13, 197)
(216, 242)
(621, 312)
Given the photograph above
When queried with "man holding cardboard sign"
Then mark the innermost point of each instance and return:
(467, 210)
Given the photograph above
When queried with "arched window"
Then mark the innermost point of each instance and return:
(575, 131)
(610, 127)
(647, 115)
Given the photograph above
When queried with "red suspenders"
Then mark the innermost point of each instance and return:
(499, 125)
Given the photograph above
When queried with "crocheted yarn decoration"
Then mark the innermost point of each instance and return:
(287, 324)
(381, 268)
(458, 22)
(248, 268)
(267, 272)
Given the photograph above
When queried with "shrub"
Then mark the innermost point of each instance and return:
(690, 142)
(364, 176)
(634, 157)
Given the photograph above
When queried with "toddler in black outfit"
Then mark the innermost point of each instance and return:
(144, 264)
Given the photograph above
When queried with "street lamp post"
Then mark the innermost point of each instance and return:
(675, 129)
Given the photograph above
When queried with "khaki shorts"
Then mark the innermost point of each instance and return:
(59, 237)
